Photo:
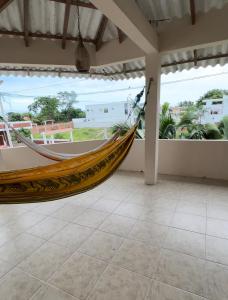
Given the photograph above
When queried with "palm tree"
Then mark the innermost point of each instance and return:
(223, 127)
(167, 128)
(123, 128)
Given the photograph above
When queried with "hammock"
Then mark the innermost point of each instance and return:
(66, 178)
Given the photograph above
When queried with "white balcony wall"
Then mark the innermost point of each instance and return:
(207, 159)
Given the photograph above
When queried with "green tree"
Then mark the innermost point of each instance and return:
(213, 94)
(14, 117)
(67, 99)
(223, 127)
(45, 108)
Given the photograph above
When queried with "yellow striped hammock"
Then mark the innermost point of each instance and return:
(69, 176)
(65, 178)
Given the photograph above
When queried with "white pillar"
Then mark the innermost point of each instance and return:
(44, 138)
(153, 70)
(71, 136)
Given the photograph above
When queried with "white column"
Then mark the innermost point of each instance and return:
(71, 136)
(153, 70)
(44, 138)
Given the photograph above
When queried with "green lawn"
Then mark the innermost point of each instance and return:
(81, 134)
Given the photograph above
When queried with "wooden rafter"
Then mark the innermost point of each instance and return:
(120, 35)
(192, 11)
(124, 68)
(195, 57)
(26, 22)
(100, 32)
(66, 21)
(4, 4)
(43, 35)
(79, 3)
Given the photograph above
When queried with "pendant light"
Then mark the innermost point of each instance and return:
(82, 59)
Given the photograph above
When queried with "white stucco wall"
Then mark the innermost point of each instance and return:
(176, 157)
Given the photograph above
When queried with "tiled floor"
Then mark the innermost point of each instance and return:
(122, 241)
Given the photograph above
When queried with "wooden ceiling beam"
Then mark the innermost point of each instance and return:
(44, 36)
(26, 22)
(4, 4)
(100, 32)
(79, 3)
(66, 21)
(192, 11)
(120, 35)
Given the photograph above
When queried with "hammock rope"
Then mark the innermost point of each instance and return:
(68, 177)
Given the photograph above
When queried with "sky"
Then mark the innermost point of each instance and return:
(187, 85)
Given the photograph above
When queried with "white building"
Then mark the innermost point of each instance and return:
(105, 115)
(214, 110)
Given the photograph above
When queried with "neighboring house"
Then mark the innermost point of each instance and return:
(214, 110)
(104, 115)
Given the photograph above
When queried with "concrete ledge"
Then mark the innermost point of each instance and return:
(200, 159)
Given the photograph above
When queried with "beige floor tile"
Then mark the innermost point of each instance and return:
(189, 222)
(117, 225)
(165, 201)
(132, 210)
(78, 275)
(186, 242)
(106, 205)
(7, 216)
(217, 278)
(5, 267)
(47, 228)
(27, 220)
(9, 232)
(83, 200)
(17, 285)
(72, 236)
(193, 207)
(48, 208)
(45, 261)
(217, 249)
(101, 245)
(160, 216)
(68, 212)
(217, 228)
(117, 283)
(140, 199)
(91, 218)
(137, 257)
(161, 291)
(217, 211)
(182, 271)
(16, 250)
(50, 293)
(149, 232)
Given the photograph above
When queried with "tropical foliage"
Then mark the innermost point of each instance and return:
(189, 125)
